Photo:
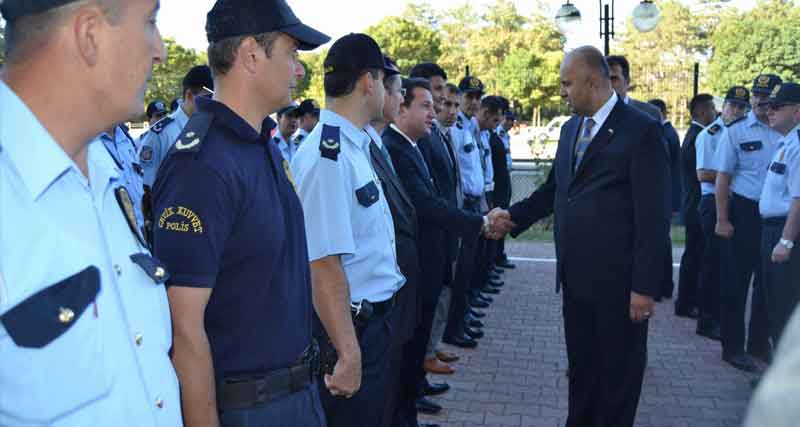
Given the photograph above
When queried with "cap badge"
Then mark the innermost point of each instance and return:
(740, 92)
(775, 91)
(763, 81)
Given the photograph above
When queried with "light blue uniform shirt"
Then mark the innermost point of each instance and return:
(744, 152)
(110, 366)
(782, 183)
(123, 151)
(336, 222)
(287, 148)
(158, 141)
(705, 150)
(469, 156)
(299, 136)
(506, 138)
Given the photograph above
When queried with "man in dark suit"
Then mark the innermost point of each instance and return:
(606, 190)
(436, 216)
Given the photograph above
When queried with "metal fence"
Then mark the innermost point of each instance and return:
(526, 177)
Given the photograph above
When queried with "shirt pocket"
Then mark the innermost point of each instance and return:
(53, 359)
(751, 154)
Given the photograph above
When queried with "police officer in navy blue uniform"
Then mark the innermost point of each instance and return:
(157, 141)
(230, 226)
(780, 210)
(351, 236)
(742, 158)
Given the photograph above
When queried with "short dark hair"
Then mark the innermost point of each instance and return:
(343, 83)
(427, 70)
(660, 104)
(699, 100)
(29, 33)
(493, 104)
(504, 103)
(222, 53)
(623, 63)
(414, 83)
(453, 89)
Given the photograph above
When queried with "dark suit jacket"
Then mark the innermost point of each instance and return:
(436, 215)
(611, 217)
(444, 176)
(674, 147)
(502, 176)
(688, 162)
(404, 217)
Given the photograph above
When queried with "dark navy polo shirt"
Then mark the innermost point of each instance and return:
(226, 216)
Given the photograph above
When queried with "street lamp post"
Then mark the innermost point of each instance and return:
(645, 18)
(606, 25)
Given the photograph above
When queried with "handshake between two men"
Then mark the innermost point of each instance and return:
(498, 224)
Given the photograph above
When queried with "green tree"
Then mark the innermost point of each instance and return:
(312, 85)
(166, 83)
(666, 71)
(457, 27)
(408, 42)
(759, 41)
(2, 44)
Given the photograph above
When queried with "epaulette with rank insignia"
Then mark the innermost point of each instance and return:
(193, 134)
(298, 139)
(714, 129)
(161, 124)
(330, 142)
(458, 123)
(735, 121)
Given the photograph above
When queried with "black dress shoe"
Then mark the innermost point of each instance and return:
(741, 362)
(473, 333)
(475, 323)
(429, 425)
(476, 313)
(764, 355)
(709, 330)
(494, 276)
(691, 313)
(428, 407)
(435, 389)
(507, 265)
(486, 298)
(496, 283)
(462, 341)
(490, 290)
(477, 303)
(498, 271)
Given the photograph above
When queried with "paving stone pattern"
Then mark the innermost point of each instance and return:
(516, 375)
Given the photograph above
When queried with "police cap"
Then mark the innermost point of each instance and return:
(13, 9)
(308, 106)
(763, 84)
(390, 67)
(471, 84)
(199, 77)
(289, 109)
(785, 93)
(233, 18)
(738, 95)
(156, 107)
(354, 53)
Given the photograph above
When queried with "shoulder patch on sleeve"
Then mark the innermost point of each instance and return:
(192, 136)
(299, 139)
(736, 121)
(161, 124)
(714, 129)
(330, 142)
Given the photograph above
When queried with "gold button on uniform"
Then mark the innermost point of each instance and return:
(138, 339)
(65, 315)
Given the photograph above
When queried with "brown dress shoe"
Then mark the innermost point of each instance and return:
(447, 357)
(436, 366)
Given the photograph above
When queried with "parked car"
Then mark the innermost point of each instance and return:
(552, 130)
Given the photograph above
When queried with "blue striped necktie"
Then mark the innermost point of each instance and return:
(583, 142)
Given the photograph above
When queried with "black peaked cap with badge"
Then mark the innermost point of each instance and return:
(13, 9)
(785, 93)
(738, 95)
(763, 84)
(156, 107)
(234, 18)
(471, 84)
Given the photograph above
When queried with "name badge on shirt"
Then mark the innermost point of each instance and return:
(751, 146)
(368, 194)
(778, 168)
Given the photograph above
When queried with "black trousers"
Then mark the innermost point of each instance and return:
(708, 295)
(691, 260)
(741, 261)
(781, 281)
(667, 284)
(465, 269)
(298, 409)
(607, 355)
(366, 407)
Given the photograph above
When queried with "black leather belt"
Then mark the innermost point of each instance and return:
(778, 221)
(256, 389)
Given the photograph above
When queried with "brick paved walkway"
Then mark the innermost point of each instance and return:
(516, 375)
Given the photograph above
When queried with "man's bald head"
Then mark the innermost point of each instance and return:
(591, 60)
(585, 80)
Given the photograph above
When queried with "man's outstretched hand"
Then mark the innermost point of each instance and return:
(499, 224)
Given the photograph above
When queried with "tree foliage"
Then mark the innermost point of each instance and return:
(406, 41)
(2, 44)
(763, 40)
(312, 85)
(166, 83)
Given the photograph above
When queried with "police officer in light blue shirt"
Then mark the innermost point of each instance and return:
(85, 326)
(159, 139)
(744, 152)
(351, 241)
(287, 125)
(780, 210)
(122, 150)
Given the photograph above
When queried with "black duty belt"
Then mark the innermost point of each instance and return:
(777, 221)
(257, 389)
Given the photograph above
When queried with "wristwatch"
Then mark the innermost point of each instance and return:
(788, 244)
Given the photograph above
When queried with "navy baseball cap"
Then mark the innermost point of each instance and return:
(738, 95)
(785, 93)
(156, 107)
(233, 18)
(354, 53)
(308, 106)
(763, 84)
(199, 76)
(13, 9)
